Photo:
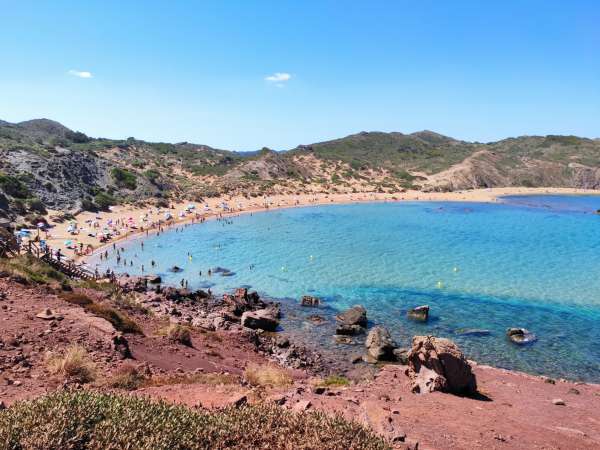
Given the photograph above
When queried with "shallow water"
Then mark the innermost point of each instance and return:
(531, 262)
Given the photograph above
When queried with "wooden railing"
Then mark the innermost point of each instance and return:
(68, 267)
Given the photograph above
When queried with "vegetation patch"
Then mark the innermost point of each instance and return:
(124, 178)
(335, 380)
(73, 364)
(212, 379)
(267, 375)
(180, 334)
(94, 421)
(120, 321)
(32, 269)
(127, 377)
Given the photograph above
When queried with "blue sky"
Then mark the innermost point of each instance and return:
(199, 70)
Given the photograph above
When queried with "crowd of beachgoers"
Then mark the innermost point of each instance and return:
(88, 232)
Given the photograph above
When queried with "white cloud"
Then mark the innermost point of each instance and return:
(80, 74)
(279, 78)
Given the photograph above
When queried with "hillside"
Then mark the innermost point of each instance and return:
(45, 165)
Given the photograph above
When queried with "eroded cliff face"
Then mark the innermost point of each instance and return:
(486, 169)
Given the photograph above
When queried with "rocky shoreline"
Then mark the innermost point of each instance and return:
(242, 312)
(434, 364)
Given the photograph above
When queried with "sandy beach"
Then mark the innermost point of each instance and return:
(130, 216)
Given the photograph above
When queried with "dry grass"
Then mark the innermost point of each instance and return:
(334, 380)
(76, 298)
(267, 375)
(127, 377)
(120, 321)
(179, 334)
(212, 379)
(72, 364)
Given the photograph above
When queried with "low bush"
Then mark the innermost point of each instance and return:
(103, 200)
(120, 321)
(180, 334)
(127, 377)
(76, 298)
(85, 420)
(123, 178)
(267, 375)
(72, 364)
(335, 380)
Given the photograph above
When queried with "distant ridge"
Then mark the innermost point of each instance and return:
(45, 164)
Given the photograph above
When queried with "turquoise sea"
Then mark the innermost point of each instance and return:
(529, 261)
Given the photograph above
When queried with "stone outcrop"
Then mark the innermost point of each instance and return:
(380, 345)
(262, 319)
(437, 364)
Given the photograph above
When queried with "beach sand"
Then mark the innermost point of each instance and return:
(59, 233)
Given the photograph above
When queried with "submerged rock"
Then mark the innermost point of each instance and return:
(315, 319)
(349, 330)
(437, 364)
(520, 336)
(420, 313)
(472, 332)
(380, 345)
(309, 300)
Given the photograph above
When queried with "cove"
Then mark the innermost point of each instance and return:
(530, 262)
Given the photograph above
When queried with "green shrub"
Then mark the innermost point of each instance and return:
(103, 200)
(123, 178)
(152, 175)
(81, 420)
(36, 205)
(13, 186)
(88, 205)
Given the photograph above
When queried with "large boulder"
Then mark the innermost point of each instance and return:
(437, 364)
(263, 319)
(357, 315)
(380, 345)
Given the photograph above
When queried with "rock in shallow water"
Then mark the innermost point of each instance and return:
(476, 332)
(420, 313)
(309, 300)
(357, 315)
(520, 336)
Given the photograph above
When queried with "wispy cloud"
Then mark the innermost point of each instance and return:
(279, 78)
(80, 73)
